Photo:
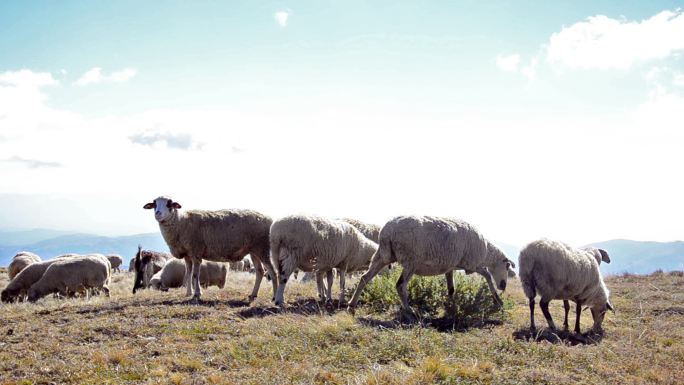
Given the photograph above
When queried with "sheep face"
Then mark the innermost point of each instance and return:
(501, 271)
(164, 208)
(8, 295)
(598, 312)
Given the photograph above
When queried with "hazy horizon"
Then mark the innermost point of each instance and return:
(527, 120)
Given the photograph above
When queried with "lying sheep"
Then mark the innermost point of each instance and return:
(221, 236)
(426, 245)
(18, 287)
(146, 264)
(69, 275)
(173, 273)
(116, 261)
(316, 244)
(555, 270)
(20, 261)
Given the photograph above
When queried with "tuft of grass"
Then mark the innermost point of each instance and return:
(472, 300)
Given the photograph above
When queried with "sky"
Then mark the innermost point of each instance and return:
(562, 120)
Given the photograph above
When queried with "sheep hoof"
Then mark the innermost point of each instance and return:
(251, 298)
(351, 309)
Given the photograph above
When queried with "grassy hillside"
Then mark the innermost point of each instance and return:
(155, 337)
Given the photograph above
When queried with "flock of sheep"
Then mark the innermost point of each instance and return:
(202, 241)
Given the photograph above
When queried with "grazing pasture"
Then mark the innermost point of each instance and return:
(156, 337)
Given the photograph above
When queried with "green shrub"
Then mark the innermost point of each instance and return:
(472, 300)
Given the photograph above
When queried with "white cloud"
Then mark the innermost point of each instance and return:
(282, 17)
(678, 79)
(508, 63)
(95, 76)
(601, 42)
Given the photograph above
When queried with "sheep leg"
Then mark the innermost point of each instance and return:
(566, 307)
(330, 278)
(342, 284)
(188, 276)
(196, 265)
(578, 313)
(106, 291)
(320, 286)
(490, 282)
(266, 261)
(402, 289)
(544, 304)
(450, 283)
(259, 271)
(284, 272)
(532, 327)
(376, 265)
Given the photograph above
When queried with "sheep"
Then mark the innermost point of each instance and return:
(555, 270)
(237, 266)
(171, 276)
(20, 261)
(246, 264)
(69, 275)
(221, 236)
(427, 245)
(147, 263)
(116, 261)
(20, 284)
(601, 256)
(369, 230)
(131, 265)
(316, 244)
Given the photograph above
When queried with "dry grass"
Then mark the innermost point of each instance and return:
(155, 337)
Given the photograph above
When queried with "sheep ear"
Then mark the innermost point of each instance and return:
(174, 205)
(604, 256)
(149, 206)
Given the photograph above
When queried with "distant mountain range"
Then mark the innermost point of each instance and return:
(48, 244)
(626, 255)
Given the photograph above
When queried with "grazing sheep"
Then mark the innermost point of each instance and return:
(173, 273)
(146, 264)
(131, 265)
(237, 266)
(221, 236)
(116, 261)
(247, 264)
(369, 230)
(20, 261)
(555, 270)
(427, 245)
(70, 275)
(601, 256)
(19, 285)
(316, 244)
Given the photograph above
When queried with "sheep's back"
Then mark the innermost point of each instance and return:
(434, 242)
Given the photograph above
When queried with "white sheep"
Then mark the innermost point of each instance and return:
(172, 275)
(221, 236)
(237, 266)
(20, 261)
(20, 284)
(311, 243)
(555, 270)
(369, 230)
(427, 245)
(116, 261)
(70, 275)
(147, 263)
(601, 256)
